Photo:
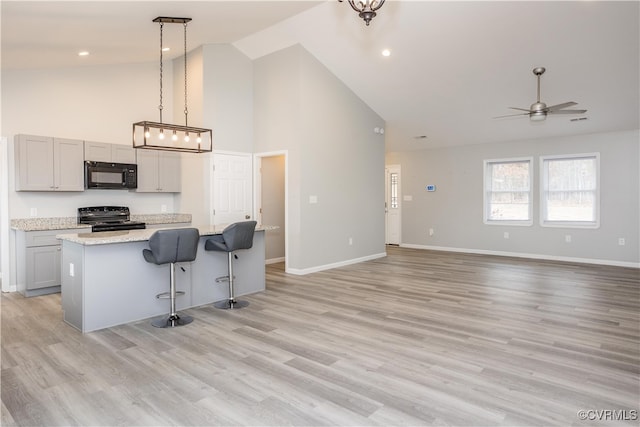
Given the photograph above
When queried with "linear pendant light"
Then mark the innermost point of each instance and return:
(170, 137)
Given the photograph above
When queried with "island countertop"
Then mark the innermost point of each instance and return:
(124, 236)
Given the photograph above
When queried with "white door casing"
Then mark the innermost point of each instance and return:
(393, 206)
(232, 188)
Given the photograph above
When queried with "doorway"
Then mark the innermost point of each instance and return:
(393, 207)
(271, 202)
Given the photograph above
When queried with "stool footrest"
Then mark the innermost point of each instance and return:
(167, 295)
(223, 279)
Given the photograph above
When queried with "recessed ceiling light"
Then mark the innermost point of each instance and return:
(386, 52)
(83, 53)
(166, 49)
(578, 119)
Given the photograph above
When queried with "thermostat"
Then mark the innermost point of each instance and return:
(431, 187)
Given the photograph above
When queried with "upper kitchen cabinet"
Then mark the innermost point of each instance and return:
(103, 152)
(159, 171)
(48, 164)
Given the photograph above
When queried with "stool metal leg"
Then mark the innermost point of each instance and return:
(173, 319)
(232, 302)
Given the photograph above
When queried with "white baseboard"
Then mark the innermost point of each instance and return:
(302, 272)
(526, 255)
(274, 260)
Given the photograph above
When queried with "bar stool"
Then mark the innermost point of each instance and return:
(236, 236)
(169, 247)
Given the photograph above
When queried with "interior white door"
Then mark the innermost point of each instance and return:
(232, 188)
(393, 215)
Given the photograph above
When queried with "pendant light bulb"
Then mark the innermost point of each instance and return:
(161, 136)
(174, 137)
(147, 134)
(199, 139)
(186, 137)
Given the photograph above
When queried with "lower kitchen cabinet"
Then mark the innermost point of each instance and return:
(39, 261)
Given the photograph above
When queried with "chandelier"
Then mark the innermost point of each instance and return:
(366, 8)
(171, 137)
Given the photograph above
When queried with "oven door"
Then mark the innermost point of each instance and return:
(105, 175)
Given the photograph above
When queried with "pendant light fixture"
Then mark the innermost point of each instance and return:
(170, 137)
(366, 8)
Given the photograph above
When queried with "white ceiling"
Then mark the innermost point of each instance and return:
(454, 65)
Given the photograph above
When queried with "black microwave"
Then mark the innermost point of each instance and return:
(110, 175)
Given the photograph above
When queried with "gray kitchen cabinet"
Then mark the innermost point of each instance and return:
(38, 257)
(123, 154)
(159, 171)
(104, 152)
(48, 164)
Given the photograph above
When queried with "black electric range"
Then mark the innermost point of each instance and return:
(108, 218)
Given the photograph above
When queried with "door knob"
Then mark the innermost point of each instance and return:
(247, 217)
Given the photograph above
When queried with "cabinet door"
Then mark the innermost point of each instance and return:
(147, 171)
(34, 163)
(69, 165)
(170, 172)
(122, 154)
(97, 151)
(43, 267)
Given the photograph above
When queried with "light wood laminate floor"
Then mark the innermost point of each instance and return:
(415, 338)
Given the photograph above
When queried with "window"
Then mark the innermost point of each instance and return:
(507, 191)
(394, 190)
(570, 191)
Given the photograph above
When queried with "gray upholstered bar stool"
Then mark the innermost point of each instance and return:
(235, 237)
(169, 247)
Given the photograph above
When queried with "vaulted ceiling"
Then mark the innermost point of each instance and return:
(453, 65)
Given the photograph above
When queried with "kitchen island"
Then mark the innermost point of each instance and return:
(106, 281)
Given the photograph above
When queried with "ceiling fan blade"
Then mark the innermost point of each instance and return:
(567, 112)
(521, 109)
(512, 115)
(561, 106)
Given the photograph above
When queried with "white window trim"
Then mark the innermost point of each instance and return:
(511, 222)
(543, 199)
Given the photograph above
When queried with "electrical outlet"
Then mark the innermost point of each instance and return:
(506, 234)
(621, 241)
(567, 238)
(431, 232)
(72, 271)
(350, 241)
(163, 208)
(33, 212)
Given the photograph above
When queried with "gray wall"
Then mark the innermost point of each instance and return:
(455, 210)
(220, 98)
(85, 103)
(333, 155)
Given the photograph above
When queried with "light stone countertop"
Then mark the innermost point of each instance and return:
(46, 224)
(71, 222)
(124, 236)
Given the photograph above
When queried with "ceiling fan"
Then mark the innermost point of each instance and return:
(539, 110)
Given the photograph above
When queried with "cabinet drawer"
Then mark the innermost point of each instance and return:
(48, 238)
